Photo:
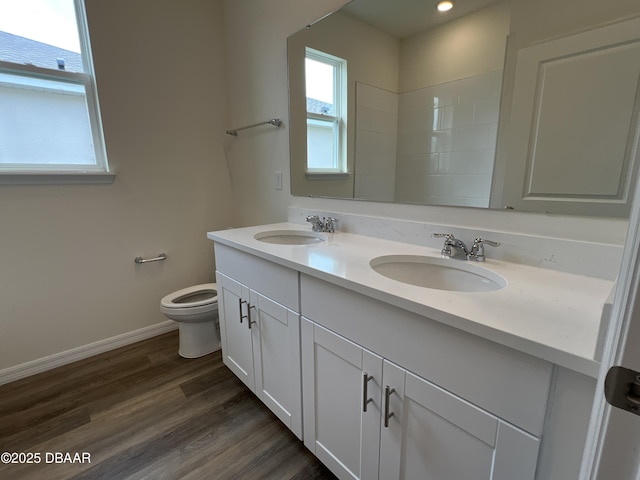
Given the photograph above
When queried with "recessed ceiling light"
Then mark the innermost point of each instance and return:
(444, 5)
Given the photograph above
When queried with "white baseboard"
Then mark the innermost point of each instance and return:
(58, 359)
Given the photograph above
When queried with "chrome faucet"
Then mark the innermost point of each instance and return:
(327, 224)
(454, 248)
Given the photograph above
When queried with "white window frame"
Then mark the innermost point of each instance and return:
(338, 121)
(61, 173)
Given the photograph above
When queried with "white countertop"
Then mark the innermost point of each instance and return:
(551, 315)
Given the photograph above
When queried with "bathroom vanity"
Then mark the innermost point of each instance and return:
(387, 379)
(260, 329)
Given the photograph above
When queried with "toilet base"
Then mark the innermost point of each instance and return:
(198, 339)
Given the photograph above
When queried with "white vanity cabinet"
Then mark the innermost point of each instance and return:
(367, 418)
(260, 330)
(341, 425)
(458, 406)
(319, 342)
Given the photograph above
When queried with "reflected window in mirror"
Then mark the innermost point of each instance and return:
(326, 97)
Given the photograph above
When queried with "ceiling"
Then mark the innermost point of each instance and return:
(403, 18)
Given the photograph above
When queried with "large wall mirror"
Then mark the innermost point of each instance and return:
(423, 113)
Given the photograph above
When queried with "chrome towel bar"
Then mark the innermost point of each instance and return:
(162, 256)
(276, 122)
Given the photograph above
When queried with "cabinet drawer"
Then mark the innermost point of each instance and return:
(511, 385)
(272, 280)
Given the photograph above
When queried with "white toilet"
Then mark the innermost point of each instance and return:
(196, 311)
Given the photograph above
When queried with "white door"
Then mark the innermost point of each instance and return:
(430, 434)
(338, 379)
(613, 443)
(237, 350)
(275, 332)
(562, 126)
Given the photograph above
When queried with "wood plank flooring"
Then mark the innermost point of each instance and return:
(143, 412)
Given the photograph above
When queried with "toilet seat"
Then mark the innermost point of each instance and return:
(173, 300)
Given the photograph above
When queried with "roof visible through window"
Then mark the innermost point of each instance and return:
(43, 33)
(16, 49)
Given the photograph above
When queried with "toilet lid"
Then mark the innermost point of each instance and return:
(196, 296)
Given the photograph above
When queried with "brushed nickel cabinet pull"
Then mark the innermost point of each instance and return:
(387, 415)
(240, 302)
(249, 321)
(365, 396)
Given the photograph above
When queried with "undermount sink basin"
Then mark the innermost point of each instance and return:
(438, 273)
(290, 237)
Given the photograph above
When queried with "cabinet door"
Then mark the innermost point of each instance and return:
(337, 429)
(275, 333)
(237, 350)
(434, 435)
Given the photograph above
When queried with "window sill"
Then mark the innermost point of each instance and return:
(327, 175)
(56, 178)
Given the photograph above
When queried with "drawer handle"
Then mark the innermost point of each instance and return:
(387, 415)
(240, 302)
(365, 396)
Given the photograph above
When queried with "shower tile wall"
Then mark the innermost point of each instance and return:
(434, 145)
(446, 141)
(376, 143)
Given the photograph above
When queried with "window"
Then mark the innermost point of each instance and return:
(50, 119)
(326, 77)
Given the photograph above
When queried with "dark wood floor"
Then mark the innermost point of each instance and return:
(143, 412)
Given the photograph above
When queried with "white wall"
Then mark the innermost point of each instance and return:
(67, 276)
(256, 51)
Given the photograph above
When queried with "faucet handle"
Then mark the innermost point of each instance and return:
(449, 236)
(330, 224)
(481, 240)
(477, 250)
